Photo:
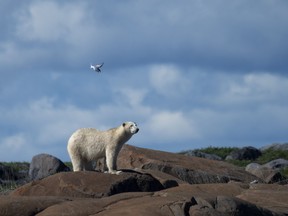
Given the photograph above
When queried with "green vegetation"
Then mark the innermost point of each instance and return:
(270, 154)
(69, 164)
(220, 151)
(284, 172)
(16, 166)
(6, 188)
(10, 173)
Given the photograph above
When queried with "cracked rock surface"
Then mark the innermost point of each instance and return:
(152, 183)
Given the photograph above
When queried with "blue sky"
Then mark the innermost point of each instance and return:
(191, 74)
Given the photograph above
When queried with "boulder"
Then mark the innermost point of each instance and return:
(246, 153)
(275, 177)
(186, 199)
(234, 206)
(89, 184)
(44, 165)
(270, 196)
(192, 170)
(266, 173)
(253, 168)
(275, 146)
(139, 191)
(277, 164)
(196, 153)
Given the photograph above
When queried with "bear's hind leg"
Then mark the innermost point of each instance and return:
(77, 164)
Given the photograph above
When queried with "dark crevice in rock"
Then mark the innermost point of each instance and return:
(136, 183)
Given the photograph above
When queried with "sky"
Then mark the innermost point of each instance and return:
(191, 74)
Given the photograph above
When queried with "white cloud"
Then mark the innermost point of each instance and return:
(154, 81)
(14, 142)
(134, 97)
(14, 57)
(168, 81)
(171, 126)
(50, 21)
(255, 87)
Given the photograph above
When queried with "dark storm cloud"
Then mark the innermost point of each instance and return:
(195, 73)
(224, 35)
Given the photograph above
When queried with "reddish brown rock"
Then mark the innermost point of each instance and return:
(89, 184)
(25, 206)
(138, 193)
(189, 169)
(186, 199)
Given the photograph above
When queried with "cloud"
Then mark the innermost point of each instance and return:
(256, 88)
(193, 33)
(14, 142)
(47, 21)
(168, 81)
(224, 117)
(133, 97)
(216, 72)
(171, 126)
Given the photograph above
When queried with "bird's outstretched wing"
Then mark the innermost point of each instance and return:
(97, 67)
(100, 65)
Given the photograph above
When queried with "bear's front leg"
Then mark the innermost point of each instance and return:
(111, 159)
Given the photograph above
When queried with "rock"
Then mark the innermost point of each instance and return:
(275, 146)
(190, 176)
(246, 153)
(266, 172)
(271, 196)
(89, 184)
(275, 177)
(26, 206)
(253, 167)
(234, 206)
(196, 153)
(142, 191)
(277, 164)
(258, 170)
(192, 170)
(201, 199)
(44, 165)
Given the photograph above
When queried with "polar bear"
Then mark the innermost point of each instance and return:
(87, 145)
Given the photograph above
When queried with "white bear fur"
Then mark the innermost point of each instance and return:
(87, 145)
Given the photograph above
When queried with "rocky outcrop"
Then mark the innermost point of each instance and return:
(269, 172)
(276, 146)
(192, 170)
(44, 165)
(197, 153)
(89, 185)
(152, 183)
(186, 199)
(277, 164)
(246, 153)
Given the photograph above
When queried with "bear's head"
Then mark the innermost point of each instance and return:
(131, 127)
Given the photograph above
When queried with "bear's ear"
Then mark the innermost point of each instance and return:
(124, 124)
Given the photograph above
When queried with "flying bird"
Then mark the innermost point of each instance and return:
(96, 67)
